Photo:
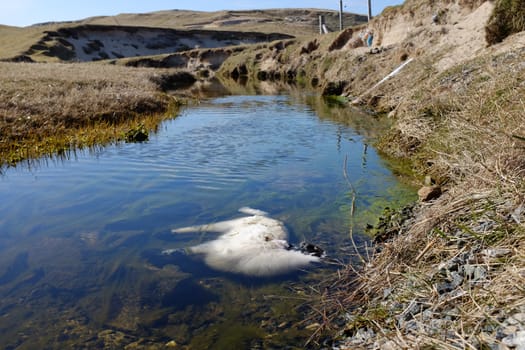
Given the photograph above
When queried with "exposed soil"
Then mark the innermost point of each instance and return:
(96, 42)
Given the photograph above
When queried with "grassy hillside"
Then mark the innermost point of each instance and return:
(296, 22)
(457, 265)
(33, 41)
(14, 41)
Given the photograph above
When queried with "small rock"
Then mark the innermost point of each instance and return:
(457, 279)
(486, 338)
(484, 226)
(389, 345)
(496, 252)
(171, 344)
(451, 282)
(514, 319)
(489, 328)
(409, 312)
(509, 330)
(516, 340)
(520, 317)
(474, 273)
(444, 287)
(428, 193)
(411, 325)
(438, 324)
(427, 315)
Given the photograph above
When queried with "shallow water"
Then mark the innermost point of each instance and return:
(81, 237)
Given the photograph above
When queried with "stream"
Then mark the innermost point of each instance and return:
(82, 236)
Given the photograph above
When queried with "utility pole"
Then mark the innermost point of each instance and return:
(369, 10)
(341, 14)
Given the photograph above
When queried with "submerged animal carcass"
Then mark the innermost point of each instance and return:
(254, 245)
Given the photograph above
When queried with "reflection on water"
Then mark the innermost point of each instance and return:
(81, 239)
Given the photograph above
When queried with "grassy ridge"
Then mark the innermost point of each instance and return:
(47, 108)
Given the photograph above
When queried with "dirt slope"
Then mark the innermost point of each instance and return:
(96, 42)
(295, 22)
(456, 34)
(340, 63)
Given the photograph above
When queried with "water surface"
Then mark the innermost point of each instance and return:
(81, 237)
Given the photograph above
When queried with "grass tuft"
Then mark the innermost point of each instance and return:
(507, 18)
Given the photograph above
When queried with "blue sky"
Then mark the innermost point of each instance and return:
(26, 12)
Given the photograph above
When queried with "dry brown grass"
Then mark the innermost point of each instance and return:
(297, 22)
(477, 122)
(465, 126)
(46, 108)
(14, 40)
(508, 18)
(404, 277)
